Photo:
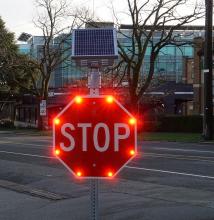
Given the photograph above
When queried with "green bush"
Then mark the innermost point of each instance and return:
(174, 123)
(150, 126)
(6, 123)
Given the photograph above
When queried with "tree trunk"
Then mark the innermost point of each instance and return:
(39, 117)
(133, 103)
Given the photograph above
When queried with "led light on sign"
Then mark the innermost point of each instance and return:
(57, 152)
(56, 121)
(79, 173)
(78, 99)
(110, 99)
(132, 152)
(132, 121)
(110, 174)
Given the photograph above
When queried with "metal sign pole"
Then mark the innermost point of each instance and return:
(94, 199)
(92, 54)
(94, 83)
(208, 71)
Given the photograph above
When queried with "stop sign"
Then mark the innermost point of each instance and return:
(95, 136)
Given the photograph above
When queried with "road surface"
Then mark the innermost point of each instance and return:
(166, 181)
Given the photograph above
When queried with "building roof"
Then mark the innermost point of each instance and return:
(167, 27)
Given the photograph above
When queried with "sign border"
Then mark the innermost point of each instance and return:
(94, 177)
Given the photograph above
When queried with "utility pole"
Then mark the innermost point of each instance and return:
(208, 72)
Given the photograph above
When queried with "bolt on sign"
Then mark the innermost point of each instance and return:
(95, 137)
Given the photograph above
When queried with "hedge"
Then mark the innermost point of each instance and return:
(192, 123)
(174, 123)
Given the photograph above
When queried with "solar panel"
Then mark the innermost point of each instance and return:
(94, 43)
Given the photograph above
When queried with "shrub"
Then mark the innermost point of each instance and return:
(174, 123)
(6, 123)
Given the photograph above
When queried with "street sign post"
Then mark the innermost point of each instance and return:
(95, 136)
(43, 107)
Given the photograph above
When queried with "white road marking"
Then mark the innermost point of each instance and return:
(37, 138)
(39, 145)
(5, 142)
(181, 157)
(30, 155)
(129, 167)
(171, 172)
(24, 144)
(184, 150)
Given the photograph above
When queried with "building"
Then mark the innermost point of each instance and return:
(169, 63)
(178, 66)
(194, 71)
(65, 74)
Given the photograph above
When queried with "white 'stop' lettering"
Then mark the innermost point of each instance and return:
(118, 135)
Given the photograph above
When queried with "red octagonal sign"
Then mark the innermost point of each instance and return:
(95, 136)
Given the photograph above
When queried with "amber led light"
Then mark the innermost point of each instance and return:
(56, 121)
(109, 99)
(110, 174)
(78, 99)
(132, 121)
(57, 152)
(79, 173)
(132, 152)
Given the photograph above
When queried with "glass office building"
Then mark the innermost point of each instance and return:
(169, 63)
(65, 73)
(24, 48)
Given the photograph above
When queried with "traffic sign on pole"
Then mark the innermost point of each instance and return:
(95, 136)
(43, 108)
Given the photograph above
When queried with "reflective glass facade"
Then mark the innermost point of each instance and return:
(66, 73)
(24, 48)
(169, 63)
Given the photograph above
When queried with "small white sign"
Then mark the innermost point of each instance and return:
(50, 94)
(43, 106)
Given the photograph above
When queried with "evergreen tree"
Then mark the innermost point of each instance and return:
(17, 71)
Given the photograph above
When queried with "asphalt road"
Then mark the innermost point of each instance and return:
(166, 181)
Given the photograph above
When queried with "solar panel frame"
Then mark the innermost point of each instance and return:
(94, 43)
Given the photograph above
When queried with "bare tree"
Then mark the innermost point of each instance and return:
(56, 21)
(147, 19)
(56, 37)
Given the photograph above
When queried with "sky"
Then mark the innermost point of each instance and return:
(19, 14)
